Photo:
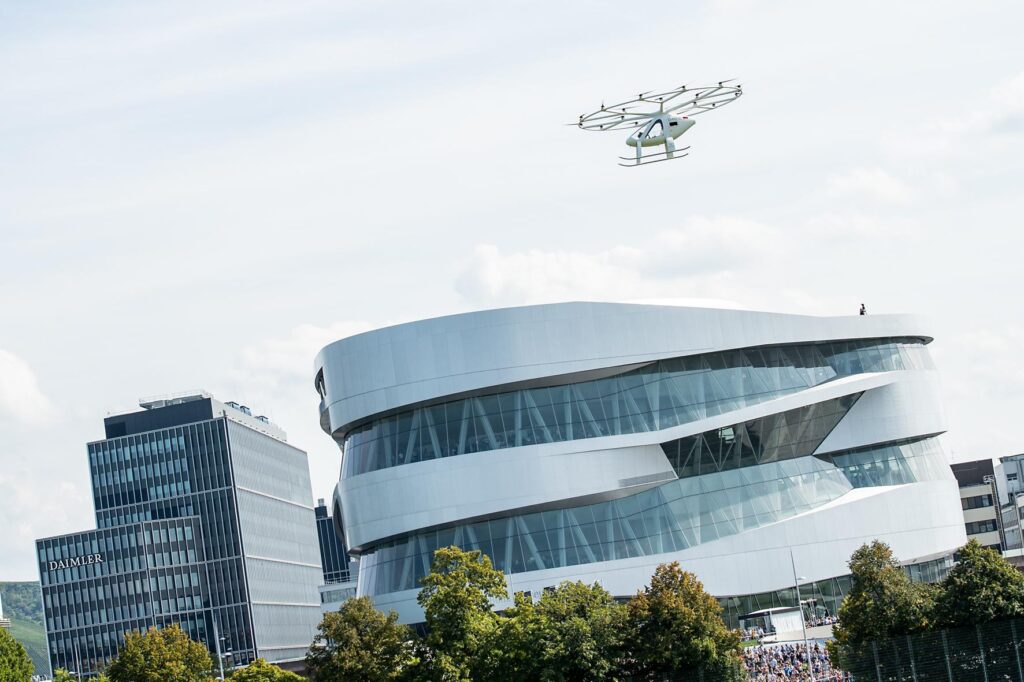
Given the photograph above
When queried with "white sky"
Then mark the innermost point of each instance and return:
(194, 196)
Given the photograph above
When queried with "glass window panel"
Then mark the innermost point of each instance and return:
(657, 396)
(673, 516)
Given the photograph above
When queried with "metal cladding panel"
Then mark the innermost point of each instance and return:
(269, 466)
(409, 363)
(279, 540)
(277, 530)
(284, 633)
(905, 407)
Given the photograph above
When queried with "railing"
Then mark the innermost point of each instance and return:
(982, 653)
(335, 577)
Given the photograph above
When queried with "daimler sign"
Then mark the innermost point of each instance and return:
(74, 561)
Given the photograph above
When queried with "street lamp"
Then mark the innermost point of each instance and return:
(217, 639)
(800, 607)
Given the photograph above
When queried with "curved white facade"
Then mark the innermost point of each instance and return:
(594, 441)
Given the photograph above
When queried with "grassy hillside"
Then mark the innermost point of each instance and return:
(23, 605)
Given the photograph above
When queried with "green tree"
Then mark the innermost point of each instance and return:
(164, 655)
(261, 671)
(574, 632)
(456, 600)
(675, 631)
(23, 604)
(63, 675)
(982, 587)
(361, 644)
(15, 665)
(513, 650)
(882, 601)
(584, 634)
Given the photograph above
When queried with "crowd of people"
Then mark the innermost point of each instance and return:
(791, 663)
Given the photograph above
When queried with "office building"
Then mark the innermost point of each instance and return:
(1011, 476)
(333, 557)
(1010, 480)
(594, 441)
(340, 572)
(979, 500)
(204, 518)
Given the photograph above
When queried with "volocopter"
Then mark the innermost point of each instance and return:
(659, 118)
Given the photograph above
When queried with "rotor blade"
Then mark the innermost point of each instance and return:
(606, 124)
(605, 121)
(621, 125)
(623, 114)
(701, 104)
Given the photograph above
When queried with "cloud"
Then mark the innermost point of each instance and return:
(981, 379)
(275, 376)
(985, 362)
(20, 396)
(724, 261)
(986, 118)
(290, 357)
(870, 183)
(25, 486)
(840, 226)
(704, 246)
(1001, 112)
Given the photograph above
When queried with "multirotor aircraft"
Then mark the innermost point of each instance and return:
(659, 118)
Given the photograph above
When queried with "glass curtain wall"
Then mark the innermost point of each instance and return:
(656, 396)
(175, 472)
(822, 598)
(148, 572)
(772, 438)
(669, 518)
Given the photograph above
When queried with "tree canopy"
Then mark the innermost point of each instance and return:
(361, 644)
(15, 665)
(884, 605)
(63, 675)
(675, 630)
(164, 655)
(573, 633)
(456, 600)
(23, 604)
(261, 671)
(882, 602)
(584, 634)
(982, 587)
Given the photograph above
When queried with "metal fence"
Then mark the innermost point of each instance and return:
(983, 653)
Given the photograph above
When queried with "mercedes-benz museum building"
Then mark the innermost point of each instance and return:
(594, 441)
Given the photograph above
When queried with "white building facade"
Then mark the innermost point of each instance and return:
(594, 441)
